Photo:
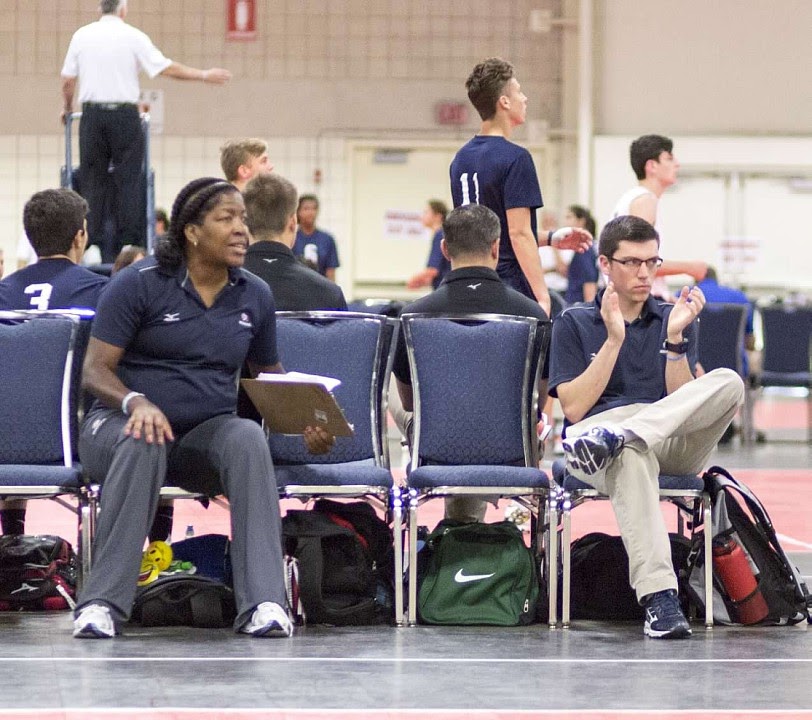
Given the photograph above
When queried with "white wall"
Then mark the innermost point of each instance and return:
(709, 67)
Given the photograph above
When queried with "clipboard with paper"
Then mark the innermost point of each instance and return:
(291, 402)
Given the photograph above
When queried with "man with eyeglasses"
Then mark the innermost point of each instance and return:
(652, 159)
(623, 368)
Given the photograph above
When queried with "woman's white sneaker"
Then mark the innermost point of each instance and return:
(268, 620)
(94, 621)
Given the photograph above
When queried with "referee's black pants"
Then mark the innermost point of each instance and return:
(111, 138)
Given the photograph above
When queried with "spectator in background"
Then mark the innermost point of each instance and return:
(243, 159)
(128, 255)
(554, 262)
(437, 265)
(316, 247)
(161, 224)
(56, 227)
(582, 273)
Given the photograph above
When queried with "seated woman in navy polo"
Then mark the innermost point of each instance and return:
(166, 349)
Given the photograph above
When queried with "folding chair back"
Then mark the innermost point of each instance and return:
(473, 379)
(721, 336)
(354, 348)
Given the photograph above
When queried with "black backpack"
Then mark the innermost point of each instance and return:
(754, 580)
(599, 577)
(37, 572)
(338, 547)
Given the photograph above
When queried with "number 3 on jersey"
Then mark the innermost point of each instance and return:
(469, 189)
(40, 295)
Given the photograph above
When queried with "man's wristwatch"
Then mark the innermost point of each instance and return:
(679, 348)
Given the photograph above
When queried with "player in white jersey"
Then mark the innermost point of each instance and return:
(656, 168)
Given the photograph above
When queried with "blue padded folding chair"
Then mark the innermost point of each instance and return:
(687, 492)
(721, 344)
(786, 358)
(474, 380)
(356, 348)
(39, 398)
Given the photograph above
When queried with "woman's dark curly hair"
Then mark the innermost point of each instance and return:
(191, 205)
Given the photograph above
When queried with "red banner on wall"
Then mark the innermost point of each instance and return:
(241, 20)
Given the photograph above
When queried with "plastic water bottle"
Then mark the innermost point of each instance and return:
(190, 531)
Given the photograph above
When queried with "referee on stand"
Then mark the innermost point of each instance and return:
(108, 55)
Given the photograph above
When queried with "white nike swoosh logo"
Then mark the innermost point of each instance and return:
(461, 577)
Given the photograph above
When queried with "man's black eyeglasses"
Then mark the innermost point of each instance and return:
(635, 263)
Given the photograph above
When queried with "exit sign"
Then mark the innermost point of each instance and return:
(451, 113)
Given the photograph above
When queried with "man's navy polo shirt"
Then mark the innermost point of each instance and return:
(184, 357)
(639, 373)
(53, 283)
(467, 290)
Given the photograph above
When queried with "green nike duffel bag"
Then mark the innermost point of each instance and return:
(478, 574)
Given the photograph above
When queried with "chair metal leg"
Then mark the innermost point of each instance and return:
(412, 557)
(566, 557)
(551, 558)
(88, 509)
(748, 428)
(397, 529)
(809, 415)
(706, 526)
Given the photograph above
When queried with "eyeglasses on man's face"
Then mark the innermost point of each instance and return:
(634, 263)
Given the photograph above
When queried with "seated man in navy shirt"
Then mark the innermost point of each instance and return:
(170, 336)
(471, 244)
(55, 223)
(623, 368)
(270, 206)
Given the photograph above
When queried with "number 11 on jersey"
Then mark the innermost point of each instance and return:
(466, 189)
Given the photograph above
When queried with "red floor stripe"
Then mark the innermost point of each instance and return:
(395, 715)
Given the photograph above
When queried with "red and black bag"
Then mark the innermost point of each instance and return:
(754, 580)
(37, 572)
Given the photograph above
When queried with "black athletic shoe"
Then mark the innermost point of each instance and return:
(589, 455)
(664, 618)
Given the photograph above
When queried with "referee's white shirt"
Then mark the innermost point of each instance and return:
(107, 56)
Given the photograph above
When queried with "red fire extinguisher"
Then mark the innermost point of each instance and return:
(733, 570)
